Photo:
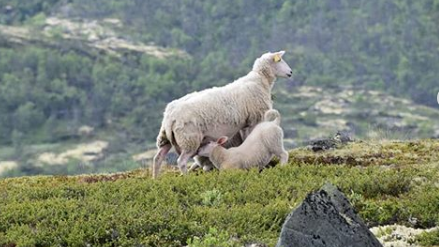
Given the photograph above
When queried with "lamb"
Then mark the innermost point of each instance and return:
(206, 164)
(200, 117)
(265, 141)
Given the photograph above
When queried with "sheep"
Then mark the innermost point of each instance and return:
(264, 142)
(200, 117)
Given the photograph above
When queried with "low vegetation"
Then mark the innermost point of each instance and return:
(228, 208)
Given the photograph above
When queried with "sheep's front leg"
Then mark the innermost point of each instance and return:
(183, 159)
(158, 158)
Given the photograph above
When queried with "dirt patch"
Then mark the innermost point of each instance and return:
(7, 165)
(148, 155)
(398, 235)
(104, 178)
(83, 152)
(101, 36)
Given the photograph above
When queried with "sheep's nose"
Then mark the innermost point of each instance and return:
(290, 74)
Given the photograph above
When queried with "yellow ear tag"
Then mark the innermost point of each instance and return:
(277, 58)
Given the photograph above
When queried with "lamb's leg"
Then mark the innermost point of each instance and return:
(283, 156)
(205, 163)
(183, 159)
(208, 168)
(201, 162)
(278, 149)
(158, 158)
(194, 166)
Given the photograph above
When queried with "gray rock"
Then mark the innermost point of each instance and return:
(325, 218)
(322, 145)
(340, 138)
(343, 137)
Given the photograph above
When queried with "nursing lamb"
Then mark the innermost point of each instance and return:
(264, 142)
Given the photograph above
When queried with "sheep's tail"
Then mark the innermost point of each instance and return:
(272, 115)
(165, 136)
(170, 133)
(162, 138)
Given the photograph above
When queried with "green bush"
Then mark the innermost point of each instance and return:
(44, 211)
(222, 208)
(429, 238)
(213, 238)
(211, 197)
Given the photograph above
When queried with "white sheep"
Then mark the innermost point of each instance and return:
(201, 117)
(264, 142)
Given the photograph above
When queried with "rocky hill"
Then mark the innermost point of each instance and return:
(311, 113)
(99, 35)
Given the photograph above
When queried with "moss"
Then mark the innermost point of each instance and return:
(128, 209)
(429, 238)
(213, 238)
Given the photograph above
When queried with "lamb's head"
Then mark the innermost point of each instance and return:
(272, 65)
(207, 149)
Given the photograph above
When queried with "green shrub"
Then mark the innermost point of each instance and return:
(211, 197)
(428, 238)
(131, 209)
(213, 238)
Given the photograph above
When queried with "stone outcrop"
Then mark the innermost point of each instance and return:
(325, 219)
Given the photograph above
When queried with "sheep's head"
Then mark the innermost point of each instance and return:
(272, 65)
(207, 149)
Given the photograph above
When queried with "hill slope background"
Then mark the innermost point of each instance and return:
(366, 67)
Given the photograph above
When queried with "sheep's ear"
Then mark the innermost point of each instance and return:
(222, 140)
(277, 57)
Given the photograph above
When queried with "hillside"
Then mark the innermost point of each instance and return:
(309, 113)
(78, 73)
(387, 182)
(96, 35)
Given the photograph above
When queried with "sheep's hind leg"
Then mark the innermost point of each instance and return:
(183, 159)
(158, 158)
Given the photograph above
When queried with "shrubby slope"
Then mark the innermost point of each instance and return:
(391, 182)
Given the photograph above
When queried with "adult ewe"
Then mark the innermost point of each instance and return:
(200, 117)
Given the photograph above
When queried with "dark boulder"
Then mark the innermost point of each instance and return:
(338, 140)
(325, 218)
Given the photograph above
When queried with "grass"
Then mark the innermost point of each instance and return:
(429, 238)
(387, 182)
